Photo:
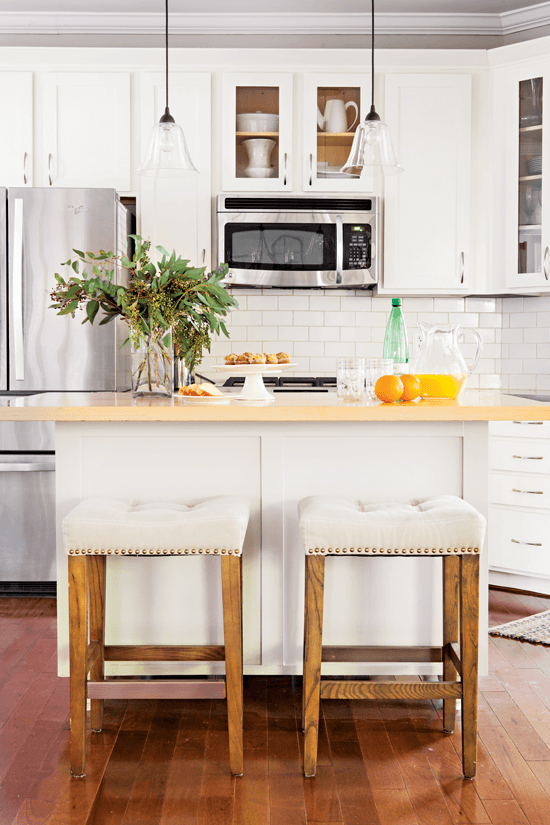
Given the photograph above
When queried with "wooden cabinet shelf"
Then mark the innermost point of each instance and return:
(258, 134)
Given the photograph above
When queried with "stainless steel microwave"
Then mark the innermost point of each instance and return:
(299, 241)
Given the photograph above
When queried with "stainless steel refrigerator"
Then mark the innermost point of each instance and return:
(42, 352)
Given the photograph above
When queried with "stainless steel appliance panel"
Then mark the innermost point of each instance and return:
(48, 352)
(27, 436)
(3, 292)
(27, 518)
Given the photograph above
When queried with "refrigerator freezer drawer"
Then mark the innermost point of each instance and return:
(27, 518)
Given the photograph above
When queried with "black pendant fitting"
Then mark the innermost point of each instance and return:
(167, 117)
(373, 114)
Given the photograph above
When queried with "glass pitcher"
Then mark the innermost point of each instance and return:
(439, 364)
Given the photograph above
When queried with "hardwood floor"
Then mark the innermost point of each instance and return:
(166, 762)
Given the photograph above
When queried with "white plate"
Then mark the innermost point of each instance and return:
(252, 368)
(205, 399)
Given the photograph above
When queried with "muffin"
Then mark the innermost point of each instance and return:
(283, 358)
(271, 359)
(258, 358)
(231, 359)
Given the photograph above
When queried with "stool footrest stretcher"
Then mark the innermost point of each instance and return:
(389, 690)
(157, 689)
(164, 653)
(381, 653)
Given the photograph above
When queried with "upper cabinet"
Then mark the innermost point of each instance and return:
(333, 106)
(522, 191)
(86, 137)
(257, 132)
(175, 212)
(427, 208)
(16, 134)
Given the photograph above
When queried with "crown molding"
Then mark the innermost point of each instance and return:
(92, 23)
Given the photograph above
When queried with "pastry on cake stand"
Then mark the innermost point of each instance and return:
(254, 388)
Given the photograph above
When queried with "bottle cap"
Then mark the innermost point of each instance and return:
(396, 302)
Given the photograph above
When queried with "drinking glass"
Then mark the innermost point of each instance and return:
(374, 369)
(350, 379)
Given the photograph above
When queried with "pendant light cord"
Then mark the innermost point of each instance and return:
(372, 56)
(166, 39)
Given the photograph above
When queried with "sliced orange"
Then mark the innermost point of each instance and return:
(411, 387)
(388, 388)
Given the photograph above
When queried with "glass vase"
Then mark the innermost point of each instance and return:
(152, 370)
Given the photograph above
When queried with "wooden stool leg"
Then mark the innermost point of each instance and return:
(469, 637)
(304, 658)
(451, 576)
(78, 644)
(97, 568)
(315, 580)
(232, 624)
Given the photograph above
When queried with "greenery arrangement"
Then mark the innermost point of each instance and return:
(155, 299)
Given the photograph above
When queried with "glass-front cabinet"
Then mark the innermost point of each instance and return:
(333, 106)
(528, 258)
(257, 132)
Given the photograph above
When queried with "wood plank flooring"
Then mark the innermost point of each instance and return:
(166, 762)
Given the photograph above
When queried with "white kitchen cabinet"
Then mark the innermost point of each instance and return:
(333, 106)
(16, 134)
(257, 156)
(176, 212)
(522, 198)
(519, 505)
(427, 208)
(86, 129)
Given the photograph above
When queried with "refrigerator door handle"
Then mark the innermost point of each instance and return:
(28, 467)
(17, 290)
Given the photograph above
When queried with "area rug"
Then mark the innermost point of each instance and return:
(534, 629)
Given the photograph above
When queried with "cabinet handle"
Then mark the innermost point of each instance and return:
(16, 291)
(50, 169)
(462, 267)
(25, 168)
(529, 543)
(310, 168)
(203, 255)
(339, 248)
(530, 457)
(32, 467)
(545, 262)
(284, 174)
(528, 422)
(531, 492)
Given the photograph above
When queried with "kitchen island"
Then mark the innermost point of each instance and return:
(298, 445)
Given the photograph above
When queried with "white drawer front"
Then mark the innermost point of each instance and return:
(524, 429)
(520, 490)
(522, 455)
(519, 541)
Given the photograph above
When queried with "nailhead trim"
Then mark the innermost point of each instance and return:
(166, 552)
(433, 551)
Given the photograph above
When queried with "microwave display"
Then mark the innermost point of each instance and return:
(357, 246)
(276, 246)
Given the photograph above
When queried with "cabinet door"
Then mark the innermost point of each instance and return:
(527, 229)
(257, 150)
(16, 139)
(87, 129)
(333, 106)
(176, 212)
(427, 208)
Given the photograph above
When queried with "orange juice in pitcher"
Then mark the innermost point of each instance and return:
(439, 365)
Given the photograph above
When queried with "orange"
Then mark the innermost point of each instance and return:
(389, 388)
(411, 387)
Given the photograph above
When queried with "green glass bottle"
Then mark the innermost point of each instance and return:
(396, 345)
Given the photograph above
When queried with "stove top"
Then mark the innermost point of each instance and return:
(290, 383)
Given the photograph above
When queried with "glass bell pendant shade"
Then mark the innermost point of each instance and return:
(372, 146)
(167, 154)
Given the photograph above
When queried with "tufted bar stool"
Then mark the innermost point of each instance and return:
(101, 527)
(446, 528)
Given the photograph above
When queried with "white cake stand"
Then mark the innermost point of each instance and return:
(254, 388)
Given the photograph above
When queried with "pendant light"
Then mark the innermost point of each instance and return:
(167, 154)
(372, 144)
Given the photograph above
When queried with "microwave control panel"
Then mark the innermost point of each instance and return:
(357, 246)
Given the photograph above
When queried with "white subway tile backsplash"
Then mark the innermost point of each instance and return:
(416, 305)
(489, 382)
(433, 317)
(524, 319)
(481, 305)
(339, 319)
(543, 382)
(294, 303)
(294, 333)
(510, 366)
(264, 333)
(310, 348)
(543, 319)
(486, 365)
(512, 305)
(537, 365)
(277, 318)
(522, 382)
(361, 303)
(309, 319)
(262, 302)
(340, 350)
(540, 303)
(356, 334)
(492, 350)
(448, 304)
(368, 350)
(512, 336)
(371, 319)
(323, 366)
(543, 350)
(466, 319)
(324, 303)
(537, 335)
(487, 319)
(324, 333)
(523, 350)
(245, 318)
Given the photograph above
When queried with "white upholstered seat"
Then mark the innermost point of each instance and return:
(120, 526)
(426, 526)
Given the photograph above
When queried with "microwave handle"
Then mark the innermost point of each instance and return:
(339, 248)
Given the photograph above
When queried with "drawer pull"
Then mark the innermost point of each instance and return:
(530, 543)
(528, 422)
(531, 492)
(531, 457)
